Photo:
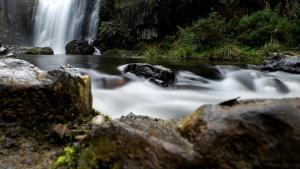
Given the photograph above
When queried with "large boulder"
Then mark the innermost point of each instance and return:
(40, 51)
(247, 134)
(135, 142)
(79, 47)
(154, 73)
(282, 62)
(32, 96)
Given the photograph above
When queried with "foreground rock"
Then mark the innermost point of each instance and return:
(157, 74)
(30, 95)
(282, 62)
(40, 51)
(3, 50)
(247, 134)
(79, 47)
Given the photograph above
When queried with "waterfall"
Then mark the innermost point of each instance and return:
(58, 22)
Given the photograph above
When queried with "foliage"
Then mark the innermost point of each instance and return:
(66, 159)
(204, 33)
(263, 27)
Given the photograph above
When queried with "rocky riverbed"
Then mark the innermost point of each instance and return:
(43, 112)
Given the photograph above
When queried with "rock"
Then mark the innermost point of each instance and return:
(250, 134)
(16, 21)
(79, 47)
(135, 142)
(157, 17)
(40, 51)
(157, 74)
(282, 62)
(32, 96)
(98, 120)
(3, 50)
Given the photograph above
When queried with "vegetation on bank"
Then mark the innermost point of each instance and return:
(250, 38)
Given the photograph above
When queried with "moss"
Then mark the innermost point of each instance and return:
(102, 154)
(40, 51)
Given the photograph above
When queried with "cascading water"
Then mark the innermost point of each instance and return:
(59, 21)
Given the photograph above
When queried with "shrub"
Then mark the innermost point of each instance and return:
(265, 26)
(204, 33)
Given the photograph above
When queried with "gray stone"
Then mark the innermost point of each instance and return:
(31, 95)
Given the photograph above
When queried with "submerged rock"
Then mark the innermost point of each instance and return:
(40, 51)
(79, 47)
(282, 62)
(247, 134)
(30, 95)
(157, 74)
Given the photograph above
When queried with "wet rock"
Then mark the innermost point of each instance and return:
(134, 142)
(250, 134)
(157, 74)
(247, 134)
(79, 47)
(3, 50)
(282, 62)
(40, 51)
(32, 96)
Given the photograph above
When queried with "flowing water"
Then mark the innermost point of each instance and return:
(58, 22)
(196, 84)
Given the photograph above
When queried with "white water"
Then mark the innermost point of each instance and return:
(58, 22)
(144, 98)
(113, 96)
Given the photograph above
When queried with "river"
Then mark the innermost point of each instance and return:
(196, 84)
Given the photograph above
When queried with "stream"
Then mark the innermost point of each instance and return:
(196, 84)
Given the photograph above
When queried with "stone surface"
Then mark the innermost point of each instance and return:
(30, 95)
(157, 74)
(249, 134)
(79, 47)
(135, 142)
(246, 134)
(16, 22)
(282, 62)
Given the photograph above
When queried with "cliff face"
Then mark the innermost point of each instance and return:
(152, 20)
(16, 21)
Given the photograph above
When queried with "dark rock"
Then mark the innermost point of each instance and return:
(282, 62)
(249, 134)
(40, 51)
(154, 73)
(16, 21)
(30, 95)
(79, 47)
